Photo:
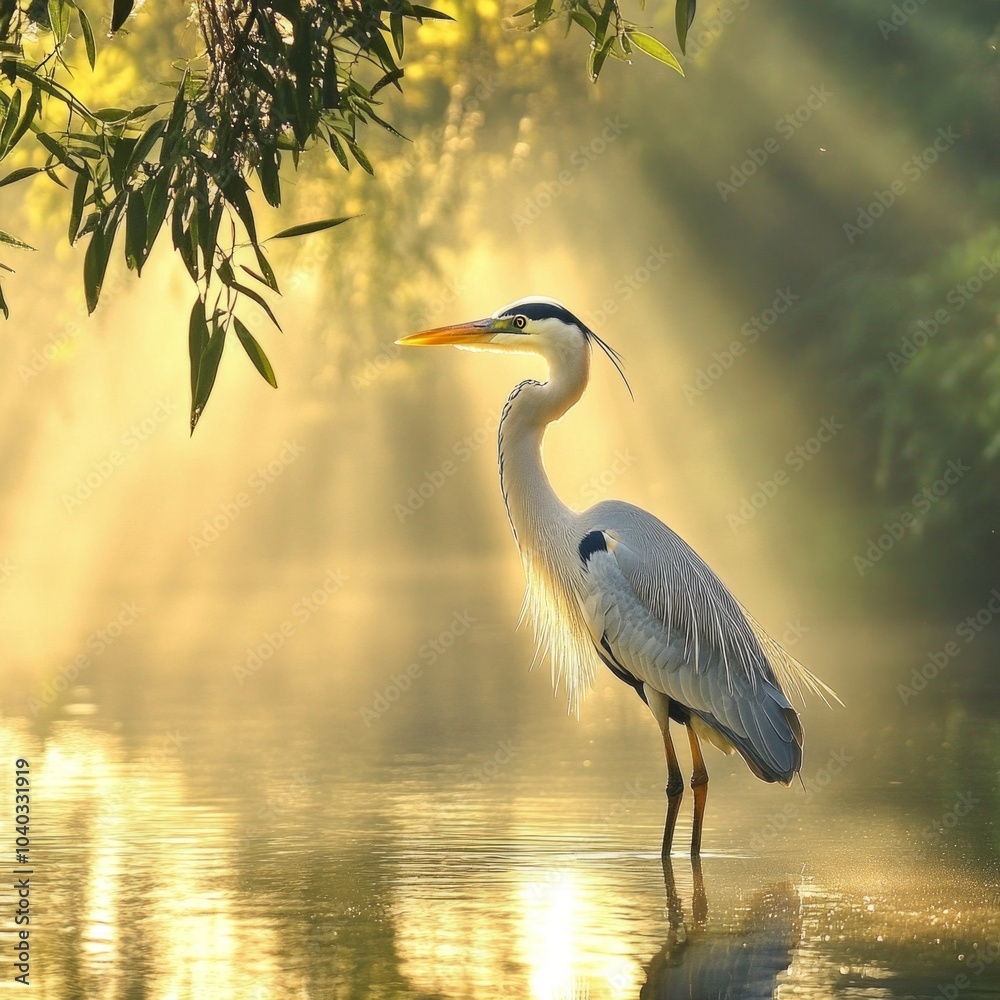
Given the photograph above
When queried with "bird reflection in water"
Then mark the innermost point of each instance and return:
(742, 963)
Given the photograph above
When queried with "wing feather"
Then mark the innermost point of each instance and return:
(651, 600)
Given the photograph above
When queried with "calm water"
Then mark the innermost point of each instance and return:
(295, 835)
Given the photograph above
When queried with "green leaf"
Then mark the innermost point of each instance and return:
(54, 177)
(541, 10)
(120, 12)
(258, 298)
(225, 272)
(267, 171)
(232, 185)
(59, 14)
(3, 305)
(156, 194)
(27, 119)
(144, 145)
(54, 147)
(111, 114)
(141, 111)
(88, 37)
(184, 244)
(18, 175)
(430, 14)
(197, 340)
(598, 57)
(381, 51)
(601, 31)
(205, 351)
(338, 151)
(375, 118)
(175, 125)
(255, 353)
(79, 200)
(120, 159)
(655, 48)
(89, 224)
(135, 232)
(13, 241)
(310, 227)
(359, 155)
(95, 262)
(393, 77)
(396, 27)
(300, 62)
(585, 21)
(683, 19)
(266, 271)
(331, 93)
(10, 122)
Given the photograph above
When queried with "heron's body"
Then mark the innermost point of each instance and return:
(613, 585)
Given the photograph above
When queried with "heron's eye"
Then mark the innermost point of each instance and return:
(520, 322)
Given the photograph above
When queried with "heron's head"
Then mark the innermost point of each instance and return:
(535, 325)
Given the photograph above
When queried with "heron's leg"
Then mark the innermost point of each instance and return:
(699, 785)
(675, 789)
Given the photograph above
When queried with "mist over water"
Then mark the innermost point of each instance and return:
(283, 736)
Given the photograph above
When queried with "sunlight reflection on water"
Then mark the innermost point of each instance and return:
(251, 859)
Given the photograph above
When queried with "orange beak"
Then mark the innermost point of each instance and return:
(480, 331)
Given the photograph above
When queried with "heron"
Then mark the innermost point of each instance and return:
(612, 586)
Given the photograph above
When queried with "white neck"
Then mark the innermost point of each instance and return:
(532, 504)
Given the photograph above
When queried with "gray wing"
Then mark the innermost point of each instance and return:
(658, 612)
